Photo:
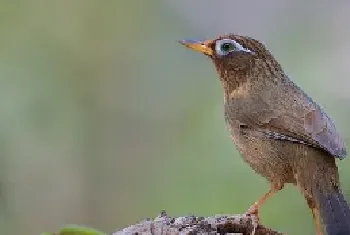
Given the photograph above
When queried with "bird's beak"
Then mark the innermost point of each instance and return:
(201, 46)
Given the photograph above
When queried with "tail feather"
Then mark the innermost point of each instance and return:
(334, 212)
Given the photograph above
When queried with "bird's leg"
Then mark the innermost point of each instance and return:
(315, 215)
(254, 209)
(316, 218)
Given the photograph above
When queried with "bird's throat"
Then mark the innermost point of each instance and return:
(234, 83)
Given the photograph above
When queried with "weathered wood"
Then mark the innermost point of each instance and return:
(218, 224)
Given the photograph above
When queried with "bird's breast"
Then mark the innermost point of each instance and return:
(266, 157)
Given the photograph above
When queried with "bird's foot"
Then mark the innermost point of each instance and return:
(253, 213)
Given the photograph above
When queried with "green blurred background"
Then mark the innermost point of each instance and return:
(105, 119)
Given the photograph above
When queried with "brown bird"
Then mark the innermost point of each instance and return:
(280, 131)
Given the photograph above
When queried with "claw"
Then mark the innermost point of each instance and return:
(253, 210)
(255, 223)
(254, 218)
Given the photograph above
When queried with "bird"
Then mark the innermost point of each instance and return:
(280, 131)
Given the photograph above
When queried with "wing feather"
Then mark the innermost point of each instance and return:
(303, 122)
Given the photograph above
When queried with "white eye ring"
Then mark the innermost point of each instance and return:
(225, 46)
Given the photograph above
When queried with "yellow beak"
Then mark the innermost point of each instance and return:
(201, 46)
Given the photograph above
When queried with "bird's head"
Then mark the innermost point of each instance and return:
(236, 57)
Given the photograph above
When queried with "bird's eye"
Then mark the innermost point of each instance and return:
(225, 46)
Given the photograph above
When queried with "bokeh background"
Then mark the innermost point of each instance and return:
(105, 119)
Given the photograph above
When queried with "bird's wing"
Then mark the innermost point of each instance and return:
(303, 121)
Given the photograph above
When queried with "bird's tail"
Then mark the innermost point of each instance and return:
(334, 212)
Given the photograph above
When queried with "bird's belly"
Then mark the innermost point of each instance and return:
(266, 157)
